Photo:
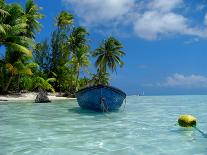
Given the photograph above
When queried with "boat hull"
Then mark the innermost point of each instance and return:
(100, 98)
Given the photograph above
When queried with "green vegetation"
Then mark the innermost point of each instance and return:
(60, 64)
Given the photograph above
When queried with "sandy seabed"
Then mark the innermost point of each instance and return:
(30, 97)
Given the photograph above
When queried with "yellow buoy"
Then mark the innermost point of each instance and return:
(187, 121)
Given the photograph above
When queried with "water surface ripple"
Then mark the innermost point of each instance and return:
(145, 127)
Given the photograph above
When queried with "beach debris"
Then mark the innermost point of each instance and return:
(42, 97)
(187, 121)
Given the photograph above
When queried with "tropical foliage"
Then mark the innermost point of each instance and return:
(109, 54)
(60, 64)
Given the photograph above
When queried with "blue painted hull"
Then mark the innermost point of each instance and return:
(100, 98)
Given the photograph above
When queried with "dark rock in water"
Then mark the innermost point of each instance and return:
(42, 97)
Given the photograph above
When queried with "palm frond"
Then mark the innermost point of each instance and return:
(2, 30)
(51, 79)
(108, 55)
(20, 48)
(64, 19)
(4, 13)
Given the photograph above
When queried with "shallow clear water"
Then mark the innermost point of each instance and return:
(145, 127)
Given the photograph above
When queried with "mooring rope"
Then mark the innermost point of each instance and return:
(103, 102)
(201, 132)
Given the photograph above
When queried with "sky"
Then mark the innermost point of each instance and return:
(165, 41)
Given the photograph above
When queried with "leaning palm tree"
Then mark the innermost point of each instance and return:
(109, 55)
(17, 68)
(17, 37)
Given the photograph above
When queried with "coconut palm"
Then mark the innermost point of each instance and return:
(78, 46)
(12, 28)
(100, 78)
(59, 47)
(12, 36)
(77, 38)
(64, 19)
(60, 51)
(33, 15)
(18, 31)
(80, 60)
(109, 55)
(17, 68)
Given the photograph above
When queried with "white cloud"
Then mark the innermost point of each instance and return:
(182, 81)
(160, 19)
(153, 24)
(164, 5)
(150, 19)
(101, 11)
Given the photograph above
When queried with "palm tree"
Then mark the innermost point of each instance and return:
(80, 60)
(17, 29)
(60, 51)
(78, 46)
(32, 14)
(17, 68)
(64, 19)
(12, 28)
(108, 57)
(100, 78)
(77, 38)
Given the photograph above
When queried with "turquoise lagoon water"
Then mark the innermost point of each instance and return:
(145, 127)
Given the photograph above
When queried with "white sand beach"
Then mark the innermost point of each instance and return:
(31, 97)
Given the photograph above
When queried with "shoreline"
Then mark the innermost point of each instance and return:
(31, 97)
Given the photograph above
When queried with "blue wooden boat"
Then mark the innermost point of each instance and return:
(100, 98)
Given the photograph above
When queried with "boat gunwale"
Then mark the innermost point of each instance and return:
(102, 86)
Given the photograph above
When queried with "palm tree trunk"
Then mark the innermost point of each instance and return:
(7, 84)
